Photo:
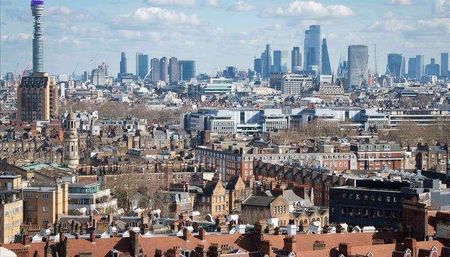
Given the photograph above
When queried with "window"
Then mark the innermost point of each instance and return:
(44, 208)
(45, 196)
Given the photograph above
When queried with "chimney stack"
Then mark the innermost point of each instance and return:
(345, 249)
(411, 244)
(186, 234)
(92, 237)
(25, 240)
(290, 244)
(202, 234)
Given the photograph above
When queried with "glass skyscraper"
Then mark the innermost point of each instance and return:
(187, 70)
(444, 65)
(280, 61)
(358, 62)
(141, 65)
(312, 52)
(395, 65)
(296, 59)
(326, 66)
(123, 63)
(420, 66)
(266, 58)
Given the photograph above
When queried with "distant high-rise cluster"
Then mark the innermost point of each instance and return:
(165, 70)
(315, 61)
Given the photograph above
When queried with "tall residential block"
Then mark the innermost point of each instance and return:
(174, 71)
(11, 208)
(154, 70)
(37, 98)
(164, 69)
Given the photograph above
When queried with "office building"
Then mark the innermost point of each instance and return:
(164, 69)
(266, 57)
(11, 208)
(358, 62)
(412, 67)
(174, 71)
(123, 63)
(296, 60)
(37, 98)
(98, 75)
(187, 70)
(257, 66)
(444, 65)
(420, 68)
(44, 205)
(432, 69)
(395, 65)
(141, 65)
(295, 84)
(155, 70)
(280, 61)
(326, 66)
(90, 197)
(312, 52)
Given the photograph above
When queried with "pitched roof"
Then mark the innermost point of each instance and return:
(259, 200)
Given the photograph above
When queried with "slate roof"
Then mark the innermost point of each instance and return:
(259, 200)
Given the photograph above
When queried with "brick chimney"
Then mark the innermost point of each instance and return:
(25, 240)
(158, 253)
(345, 249)
(35, 254)
(92, 237)
(186, 234)
(411, 244)
(445, 252)
(202, 234)
(265, 248)
(135, 242)
(290, 244)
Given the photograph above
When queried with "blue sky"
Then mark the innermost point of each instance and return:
(217, 33)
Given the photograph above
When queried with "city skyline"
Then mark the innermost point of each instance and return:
(193, 32)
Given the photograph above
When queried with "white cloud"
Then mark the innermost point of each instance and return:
(310, 9)
(241, 6)
(390, 24)
(183, 3)
(441, 8)
(161, 16)
(64, 13)
(401, 2)
(212, 3)
(14, 38)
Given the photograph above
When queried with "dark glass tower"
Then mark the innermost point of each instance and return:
(326, 66)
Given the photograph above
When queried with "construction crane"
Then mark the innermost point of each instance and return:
(74, 70)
